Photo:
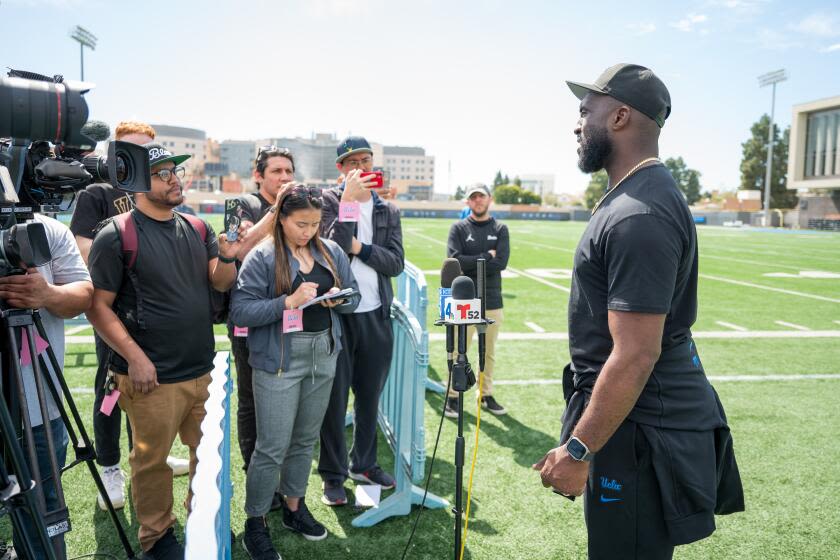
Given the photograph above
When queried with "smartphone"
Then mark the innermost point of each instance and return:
(376, 176)
(233, 218)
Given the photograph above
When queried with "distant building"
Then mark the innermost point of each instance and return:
(538, 184)
(239, 156)
(411, 171)
(183, 140)
(814, 163)
(314, 157)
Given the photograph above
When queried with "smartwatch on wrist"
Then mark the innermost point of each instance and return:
(227, 260)
(577, 450)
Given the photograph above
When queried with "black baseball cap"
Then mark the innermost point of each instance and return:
(159, 154)
(352, 145)
(634, 85)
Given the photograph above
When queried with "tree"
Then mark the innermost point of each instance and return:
(596, 189)
(498, 180)
(511, 194)
(459, 193)
(517, 181)
(754, 164)
(506, 180)
(688, 180)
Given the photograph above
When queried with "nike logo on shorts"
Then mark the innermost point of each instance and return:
(608, 500)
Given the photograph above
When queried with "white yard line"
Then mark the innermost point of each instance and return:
(715, 378)
(544, 246)
(769, 288)
(770, 265)
(726, 335)
(534, 327)
(792, 325)
(540, 280)
(731, 326)
(838, 322)
(76, 329)
(428, 238)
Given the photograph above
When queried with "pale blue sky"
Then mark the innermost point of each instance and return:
(477, 83)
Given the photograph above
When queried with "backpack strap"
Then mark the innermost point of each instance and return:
(197, 224)
(127, 228)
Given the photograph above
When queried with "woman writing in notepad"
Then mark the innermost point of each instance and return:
(293, 353)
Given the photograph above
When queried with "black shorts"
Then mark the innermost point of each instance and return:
(649, 490)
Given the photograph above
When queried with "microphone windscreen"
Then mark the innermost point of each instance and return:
(449, 272)
(463, 288)
(96, 130)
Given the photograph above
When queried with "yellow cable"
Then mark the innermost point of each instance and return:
(472, 467)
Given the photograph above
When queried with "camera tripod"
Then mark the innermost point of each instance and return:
(21, 484)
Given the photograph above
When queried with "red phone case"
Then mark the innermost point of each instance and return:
(378, 178)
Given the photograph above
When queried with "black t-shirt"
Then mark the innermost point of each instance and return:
(639, 254)
(171, 270)
(254, 207)
(316, 317)
(97, 202)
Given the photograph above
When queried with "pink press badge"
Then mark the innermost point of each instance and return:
(349, 212)
(240, 331)
(109, 401)
(40, 346)
(292, 320)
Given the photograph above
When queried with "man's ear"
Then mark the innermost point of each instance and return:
(620, 117)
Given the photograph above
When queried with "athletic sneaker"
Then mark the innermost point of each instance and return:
(334, 493)
(257, 540)
(492, 406)
(179, 467)
(301, 521)
(7, 552)
(114, 481)
(166, 548)
(451, 408)
(375, 476)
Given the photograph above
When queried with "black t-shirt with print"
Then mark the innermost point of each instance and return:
(96, 203)
(171, 269)
(639, 254)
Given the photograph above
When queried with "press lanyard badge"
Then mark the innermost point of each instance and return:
(292, 320)
(112, 395)
(349, 212)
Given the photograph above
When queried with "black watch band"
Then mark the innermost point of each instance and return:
(227, 260)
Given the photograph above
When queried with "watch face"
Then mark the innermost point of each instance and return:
(575, 449)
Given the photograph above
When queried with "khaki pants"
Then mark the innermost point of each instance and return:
(490, 355)
(156, 418)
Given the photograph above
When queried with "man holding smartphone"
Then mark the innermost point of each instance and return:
(368, 229)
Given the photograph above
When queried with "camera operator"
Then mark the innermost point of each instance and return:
(61, 289)
(153, 309)
(97, 203)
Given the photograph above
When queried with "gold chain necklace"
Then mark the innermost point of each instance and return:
(635, 168)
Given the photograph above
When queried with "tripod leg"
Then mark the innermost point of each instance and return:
(86, 452)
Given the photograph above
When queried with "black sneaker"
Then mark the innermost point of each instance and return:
(276, 501)
(451, 408)
(492, 406)
(301, 521)
(375, 476)
(166, 548)
(257, 540)
(334, 493)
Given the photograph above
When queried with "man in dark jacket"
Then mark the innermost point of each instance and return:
(373, 240)
(480, 235)
(645, 438)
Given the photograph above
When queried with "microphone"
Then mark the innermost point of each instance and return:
(462, 307)
(96, 130)
(481, 278)
(450, 271)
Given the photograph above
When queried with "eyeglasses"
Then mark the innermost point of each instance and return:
(166, 174)
(312, 192)
(357, 163)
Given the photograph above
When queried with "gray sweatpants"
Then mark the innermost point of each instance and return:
(289, 410)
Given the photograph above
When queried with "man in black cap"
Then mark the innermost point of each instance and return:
(644, 436)
(481, 235)
(373, 241)
(151, 305)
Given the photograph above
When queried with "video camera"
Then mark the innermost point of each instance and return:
(46, 157)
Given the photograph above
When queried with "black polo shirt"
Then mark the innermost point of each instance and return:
(639, 254)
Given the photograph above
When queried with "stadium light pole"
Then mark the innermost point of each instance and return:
(771, 78)
(85, 39)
